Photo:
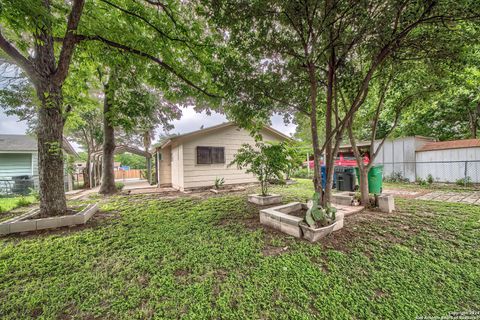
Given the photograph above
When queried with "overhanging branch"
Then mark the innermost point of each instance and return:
(140, 53)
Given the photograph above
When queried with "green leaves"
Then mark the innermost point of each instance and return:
(267, 161)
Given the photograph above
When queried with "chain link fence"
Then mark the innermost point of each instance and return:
(11, 186)
(459, 172)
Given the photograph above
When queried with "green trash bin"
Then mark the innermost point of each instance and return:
(375, 178)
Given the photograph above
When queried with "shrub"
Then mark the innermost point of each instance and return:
(466, 182)
(119, 186)
(266, 161)
(421, 181)
(395, 177)
(34, 193)
(430, 179)
(302, 173)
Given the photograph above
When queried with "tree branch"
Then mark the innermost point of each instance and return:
(140, 53)
(18, 58)
(69, 42)
(144, 20)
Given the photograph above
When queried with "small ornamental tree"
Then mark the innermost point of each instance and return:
(266, 161)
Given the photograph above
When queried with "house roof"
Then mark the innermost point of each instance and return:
(453, 144)
(362, 143)
(21, 142)
(215, 128)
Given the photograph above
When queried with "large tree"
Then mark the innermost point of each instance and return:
(296, 56)
(40, 37)
(27, 30)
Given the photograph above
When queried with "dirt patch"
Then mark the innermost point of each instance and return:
(181, 273)
(269, 251)
(70, 212)
(379, 293)
(298, 213)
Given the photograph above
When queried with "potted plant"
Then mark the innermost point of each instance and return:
(319, 222)
(266, 161)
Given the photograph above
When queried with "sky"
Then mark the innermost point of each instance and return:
(190, 121)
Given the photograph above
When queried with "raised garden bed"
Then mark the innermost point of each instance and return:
(29, 222)
(288, 218)
(264, 200)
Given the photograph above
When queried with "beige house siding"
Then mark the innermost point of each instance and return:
(201, 175)
(165, 167)
(175, 167)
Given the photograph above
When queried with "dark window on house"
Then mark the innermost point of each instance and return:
(208, 155)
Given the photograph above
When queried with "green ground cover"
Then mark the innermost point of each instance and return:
(11, 203)
(207, 257)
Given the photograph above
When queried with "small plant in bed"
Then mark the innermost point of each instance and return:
(219, 182)
(316, 216)
(318, 222)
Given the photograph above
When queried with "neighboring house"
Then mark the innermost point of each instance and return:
(418, 157)
(196, 159)
(19, 162)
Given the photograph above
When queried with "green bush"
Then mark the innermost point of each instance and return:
(430, 179)
(302, 173)
(23, 202)
(421, 181)
(466, 182)
(119, 186)
(34, 193)
(395, 177)
(266, 161)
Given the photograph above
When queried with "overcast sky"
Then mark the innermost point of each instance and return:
(190, 121)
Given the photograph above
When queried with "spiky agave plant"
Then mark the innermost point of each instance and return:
(317, 215)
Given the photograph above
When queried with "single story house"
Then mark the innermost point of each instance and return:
(19, 162)
(418, 157)
(196, 159)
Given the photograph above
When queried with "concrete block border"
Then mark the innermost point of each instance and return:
(264, 200)
(278, 218)
(22, 223)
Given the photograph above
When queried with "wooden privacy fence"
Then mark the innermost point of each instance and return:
(128, 174)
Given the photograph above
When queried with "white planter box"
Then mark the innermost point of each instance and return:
(23, 224)
(279, 219)
(265, 200)
(315, 234)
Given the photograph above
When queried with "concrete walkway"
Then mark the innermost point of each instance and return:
(472, 197)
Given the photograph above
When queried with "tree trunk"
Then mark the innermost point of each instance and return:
(317, 154)
(329, 156)
(108, 175)
(86, 171)
(50, 155)
(364, 195)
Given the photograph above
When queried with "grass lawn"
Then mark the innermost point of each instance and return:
(201, 258)
(7, 204)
